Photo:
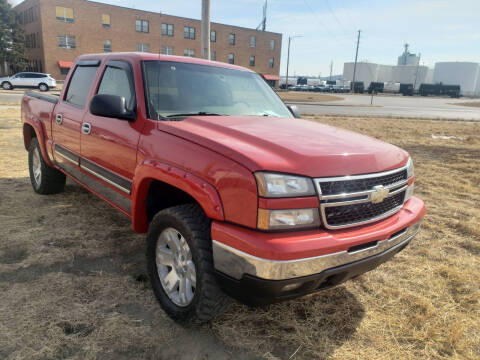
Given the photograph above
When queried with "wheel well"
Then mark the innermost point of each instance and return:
(162, 195)
(28, 134)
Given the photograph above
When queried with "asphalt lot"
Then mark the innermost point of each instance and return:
(359, 105)
(397, 106)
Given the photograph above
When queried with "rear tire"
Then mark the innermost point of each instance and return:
(45, 179)
(191, 225)
(43, 87)
(7, 85)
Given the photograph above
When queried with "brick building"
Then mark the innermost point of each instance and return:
(57, 31)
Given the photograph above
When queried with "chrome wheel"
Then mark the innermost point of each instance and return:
(6, 86)
(43, 87)
(175, 267)
(36, 167)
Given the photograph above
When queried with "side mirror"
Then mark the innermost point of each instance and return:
(294, 110)
(112, 106)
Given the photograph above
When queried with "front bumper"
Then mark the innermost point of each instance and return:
(262, 264)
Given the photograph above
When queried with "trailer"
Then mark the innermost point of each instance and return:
(439, 90)
(375, 87)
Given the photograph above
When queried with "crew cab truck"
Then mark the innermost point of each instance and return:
(237, 195)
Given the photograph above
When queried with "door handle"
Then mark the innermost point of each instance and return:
(86, 128)
(59, 119)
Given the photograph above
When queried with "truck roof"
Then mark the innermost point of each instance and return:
(139, 56)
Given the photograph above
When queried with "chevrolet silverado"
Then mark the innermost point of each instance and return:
(238, 196)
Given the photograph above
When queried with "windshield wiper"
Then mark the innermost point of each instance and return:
(200, 113)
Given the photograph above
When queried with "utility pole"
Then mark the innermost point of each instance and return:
(288, 56)
(331, 68)
(355, 66)
(416, 72)
(206, 29)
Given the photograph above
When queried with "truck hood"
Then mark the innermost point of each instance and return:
(289, 145)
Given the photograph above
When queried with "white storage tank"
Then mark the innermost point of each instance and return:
(366, 72)
(465, 74)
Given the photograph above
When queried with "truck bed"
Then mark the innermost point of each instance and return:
(46, 97)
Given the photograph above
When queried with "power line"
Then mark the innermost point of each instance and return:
(320, 21)
(334, 16)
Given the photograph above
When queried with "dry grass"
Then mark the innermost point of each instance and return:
(301, 96)
(73, 283)
(470, 103)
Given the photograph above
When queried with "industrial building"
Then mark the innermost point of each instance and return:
(371, 72)
(57, 31)
(465, 74)
(409, 71)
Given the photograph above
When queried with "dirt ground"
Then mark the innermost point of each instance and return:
(472, 104)
(301, 96)
(73, 282)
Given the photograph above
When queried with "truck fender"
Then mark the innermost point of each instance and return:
(204, 193)
(36, 124)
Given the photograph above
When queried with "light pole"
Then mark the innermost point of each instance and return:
(288, 56)
(205, 36)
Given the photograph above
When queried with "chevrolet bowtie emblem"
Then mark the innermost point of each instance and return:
(379, 194)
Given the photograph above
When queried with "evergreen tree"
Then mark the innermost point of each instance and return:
(12, 39)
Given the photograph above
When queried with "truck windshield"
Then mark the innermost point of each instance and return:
(182, 89)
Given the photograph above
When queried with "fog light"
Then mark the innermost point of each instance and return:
(291, 287)
(288, 219)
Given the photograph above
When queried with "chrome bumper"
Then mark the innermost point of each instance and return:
(235, 263)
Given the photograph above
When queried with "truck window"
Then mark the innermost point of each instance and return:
(117, 81)
(174, 87)
(80, 85)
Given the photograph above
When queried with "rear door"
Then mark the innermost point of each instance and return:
(68, 115)
(109, 145)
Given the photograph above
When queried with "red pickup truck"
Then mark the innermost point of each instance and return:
(237, 195)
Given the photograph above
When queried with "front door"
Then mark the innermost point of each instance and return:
(109, 145)
(68, 116)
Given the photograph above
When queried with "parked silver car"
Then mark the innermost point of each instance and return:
(42, 81)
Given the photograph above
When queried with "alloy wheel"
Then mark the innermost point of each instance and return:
(175, 267)
(36, 167)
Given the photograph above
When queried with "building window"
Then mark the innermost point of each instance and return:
(66, 41)
(252, 60)
(271, 63)
(106, 20)
(189, 32)
(213, 36)
(167, 29)
(253, 41)
(141, 26)
(231, 39)
(189, 52)
(213, 55)
(231, 58)
(107, 46)
(272, 44)
(166, 50)
(142, 47)
(64, 14)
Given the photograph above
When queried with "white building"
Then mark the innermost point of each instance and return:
(465, 74)
(371, 72)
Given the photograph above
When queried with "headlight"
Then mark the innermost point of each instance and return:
(288, 219)
(409, 168)
(283, 185)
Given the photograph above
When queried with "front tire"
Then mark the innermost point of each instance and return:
(7, 86)
(45, 179)
(180, 265)
(43, 87)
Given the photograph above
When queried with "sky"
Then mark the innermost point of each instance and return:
(441, 30)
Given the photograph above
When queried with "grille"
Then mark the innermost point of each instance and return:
(358, 185)
(355, 213)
